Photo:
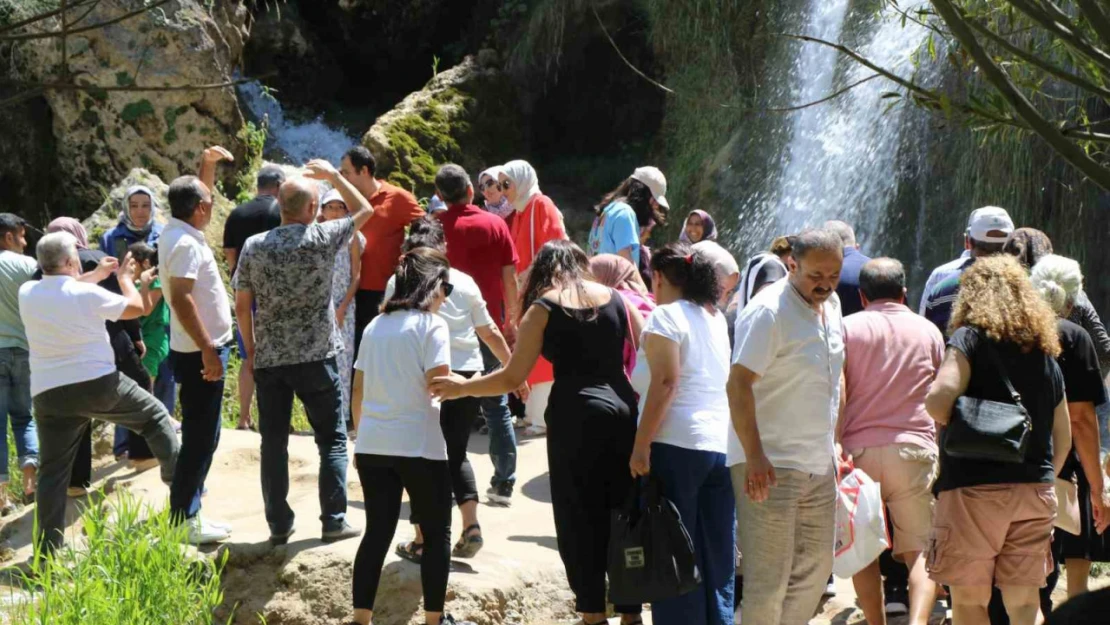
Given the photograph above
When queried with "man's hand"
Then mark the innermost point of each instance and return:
(319, 169)
(146, 278)
(213, 370)
(215, 154)
(523, 392)
(127, 268)
(640, 464)
(106, 267)
(759, 478)
(844, 464)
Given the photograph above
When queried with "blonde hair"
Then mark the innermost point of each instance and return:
(997, 297)
(1059, 280)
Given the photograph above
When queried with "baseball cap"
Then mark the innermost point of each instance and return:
(655, 181)
(989, 219)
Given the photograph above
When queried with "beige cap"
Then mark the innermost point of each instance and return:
(656, 181)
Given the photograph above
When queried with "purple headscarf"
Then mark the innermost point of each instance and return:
(708, 227)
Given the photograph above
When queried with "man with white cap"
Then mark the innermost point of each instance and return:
(292, 340)
(987, 231)
(942, 272)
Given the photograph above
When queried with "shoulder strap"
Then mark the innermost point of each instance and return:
(1001, 368)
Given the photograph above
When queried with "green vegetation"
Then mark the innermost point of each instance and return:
(134, 111)
(254, 140)
(420, 142)
(132, 569)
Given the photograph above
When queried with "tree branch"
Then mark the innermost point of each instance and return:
(1063, 29)
(84, 29)
(831, 96)
(1033, 59)
(1097, 18)
(65, 37)
(626, 61)
(1024, 109)
(39, 18)
(56, 86)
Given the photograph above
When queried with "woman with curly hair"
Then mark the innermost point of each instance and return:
(993, 520)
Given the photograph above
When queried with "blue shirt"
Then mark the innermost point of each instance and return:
(938, 303)
(616, 229)
(848, 288)
(108, 240)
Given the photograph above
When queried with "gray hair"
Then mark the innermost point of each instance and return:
(882, 278)
(842, 230)
(815, 239)
(185, 195)
(1058, 280)
(54, 250)
(452, 182)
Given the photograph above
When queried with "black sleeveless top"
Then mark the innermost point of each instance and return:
(588, 351)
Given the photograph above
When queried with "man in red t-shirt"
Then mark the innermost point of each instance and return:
(394, 209)
(479, 245)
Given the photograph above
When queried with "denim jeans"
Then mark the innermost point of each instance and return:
(65, 415)
(1102, 411)
(700, 486)
(201, 404)
(15, 402)
(317, 385)
(502, 437)
(787, 542)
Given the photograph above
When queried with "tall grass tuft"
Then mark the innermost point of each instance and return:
(133, 569)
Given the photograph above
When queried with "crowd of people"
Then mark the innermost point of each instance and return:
(744, 390)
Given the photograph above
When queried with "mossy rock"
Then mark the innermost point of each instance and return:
(464, 115)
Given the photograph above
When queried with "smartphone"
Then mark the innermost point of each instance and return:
(119, 248)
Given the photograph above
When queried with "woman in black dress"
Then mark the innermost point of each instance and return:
(581, 327)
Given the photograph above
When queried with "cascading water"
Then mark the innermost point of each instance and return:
(840, 157)
(296, 142)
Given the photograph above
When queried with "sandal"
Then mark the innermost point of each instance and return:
(411, 551)
(469, 544)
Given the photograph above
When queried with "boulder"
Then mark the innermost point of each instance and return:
(100, 135)
(466, 115)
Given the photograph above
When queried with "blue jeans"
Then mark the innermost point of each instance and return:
(699, 484)
(15, 401)
(201, 404)
(317, 385)
(502, 437)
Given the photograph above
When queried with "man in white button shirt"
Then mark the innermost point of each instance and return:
(784, 395)
(200, 337)
(73, 372)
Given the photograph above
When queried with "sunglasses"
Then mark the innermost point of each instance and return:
(505, 185)
(448, 288)
(489, 183)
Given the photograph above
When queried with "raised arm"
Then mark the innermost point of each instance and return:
(319, 169)
(528, 346)
(209, 159)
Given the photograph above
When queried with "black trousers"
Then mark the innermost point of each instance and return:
(590, 434)
(429, 486)
(456, 419)
(367, 304)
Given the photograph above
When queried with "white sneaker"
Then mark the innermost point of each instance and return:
(204, 533)
(830, 590)
(221, 525)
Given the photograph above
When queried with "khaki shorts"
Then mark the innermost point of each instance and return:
(905, 474)
(998, 534)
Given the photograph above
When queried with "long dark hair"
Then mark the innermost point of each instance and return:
(690, 271)
(559, 264)
(426, 231)
(419, 274)
(637, 195)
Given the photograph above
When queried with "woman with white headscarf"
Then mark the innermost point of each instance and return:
(137, 222)
(344, 285)
(535, 221)
(496, 202)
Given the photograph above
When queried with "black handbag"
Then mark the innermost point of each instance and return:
(981, 429)
(651, 556)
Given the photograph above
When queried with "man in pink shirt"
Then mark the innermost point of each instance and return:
(891, 358)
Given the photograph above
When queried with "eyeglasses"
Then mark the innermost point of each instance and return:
(489, 183)
(448, 289)
(505, 185)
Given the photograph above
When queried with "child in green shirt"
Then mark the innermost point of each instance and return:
(155, 346)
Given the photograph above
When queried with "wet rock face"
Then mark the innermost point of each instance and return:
(100, 135)
(466, 115)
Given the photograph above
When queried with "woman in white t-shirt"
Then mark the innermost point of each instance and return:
(400, 444)
(468, 321)
(682, 438)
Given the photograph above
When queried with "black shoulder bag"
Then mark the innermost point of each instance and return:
(981, 429)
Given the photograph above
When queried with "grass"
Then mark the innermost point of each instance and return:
(131, 568)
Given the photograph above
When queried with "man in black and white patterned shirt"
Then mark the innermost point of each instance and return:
(293, 339)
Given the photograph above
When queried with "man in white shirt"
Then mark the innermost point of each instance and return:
(73, 371)
(200, 337)
(784, 395)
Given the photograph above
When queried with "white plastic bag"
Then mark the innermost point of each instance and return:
(861, 534)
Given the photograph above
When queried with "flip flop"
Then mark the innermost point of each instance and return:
(411, 551)
(469, 544)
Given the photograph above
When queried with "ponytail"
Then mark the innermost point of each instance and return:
(689, 270)
(420, 272)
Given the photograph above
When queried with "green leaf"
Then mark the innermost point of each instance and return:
(932, 48)
(891, 94)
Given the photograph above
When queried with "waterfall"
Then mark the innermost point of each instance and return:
(840, 157)
(296, 142)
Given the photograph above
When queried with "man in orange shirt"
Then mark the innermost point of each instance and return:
(394, 210)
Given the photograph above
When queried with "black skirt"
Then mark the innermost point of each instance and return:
(1089, 545)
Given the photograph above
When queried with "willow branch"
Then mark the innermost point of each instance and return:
(1097, 18)
(831, 96)
(62, 86)
(85, 29)
(1021, 105)
(1063, 29)
(626, 61)
(1033, 59)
